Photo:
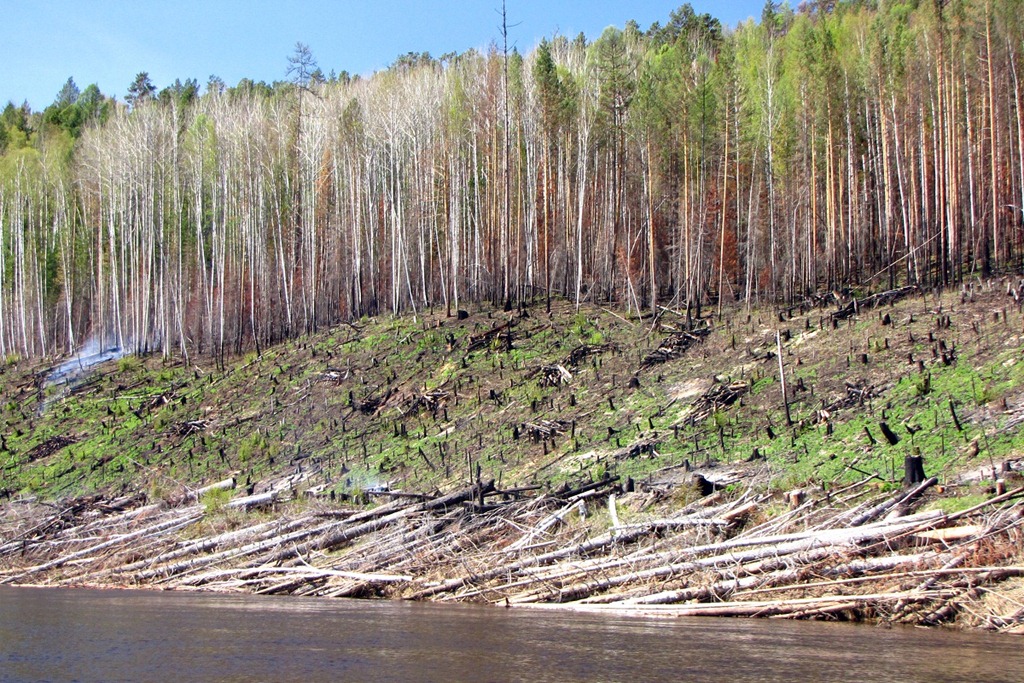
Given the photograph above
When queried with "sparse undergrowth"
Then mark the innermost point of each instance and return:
(588, 458)
(424, 404)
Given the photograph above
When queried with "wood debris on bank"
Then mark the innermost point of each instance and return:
(851, 553)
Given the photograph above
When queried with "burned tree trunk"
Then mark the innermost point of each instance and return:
(913, 470)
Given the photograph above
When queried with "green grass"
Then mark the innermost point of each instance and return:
(268, 414)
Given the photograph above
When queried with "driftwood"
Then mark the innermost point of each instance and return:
(797, 607)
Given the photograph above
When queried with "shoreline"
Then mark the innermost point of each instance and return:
(849, 555)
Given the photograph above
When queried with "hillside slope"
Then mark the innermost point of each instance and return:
(426, 403)
(580, 458)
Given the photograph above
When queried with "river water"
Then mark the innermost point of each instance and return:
(141, 636)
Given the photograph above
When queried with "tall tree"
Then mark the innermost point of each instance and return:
(68, 94)
(140, 90)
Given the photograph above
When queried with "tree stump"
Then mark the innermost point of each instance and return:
(913, 470)
(703, 486)
(889, 435)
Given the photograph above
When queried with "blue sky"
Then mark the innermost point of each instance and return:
(107, 42)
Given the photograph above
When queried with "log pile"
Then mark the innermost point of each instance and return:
(719, 396)
(552, 375)
(498, 337)
(646, 446)
(49, 447)
(561, 373)
(674, 346)
(857, 394)
(371, 405)
(333, 375)
(542, 430)
(428, 400)
(189, 427)
(851, 553)
(584, 351)
(891, 296)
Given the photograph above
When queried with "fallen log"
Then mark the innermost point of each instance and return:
(500, 335)
(555, 587)
(223, 485)
(878, 511)
(250, 534)
(880, 299)
(255, 500)
(674, 346)
(761, 608)
(546, 523)
(786, 579)
(307, 572)
(580, 549)
(165, 526)
(169, 571)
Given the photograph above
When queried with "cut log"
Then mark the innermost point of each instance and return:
(951, 533)
(253, 501)
(223, 485)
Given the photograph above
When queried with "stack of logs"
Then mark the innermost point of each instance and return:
(674, 346)
(719, 396)
(891, 296)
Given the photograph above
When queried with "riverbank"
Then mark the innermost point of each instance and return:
(854, 553)
(846, 459)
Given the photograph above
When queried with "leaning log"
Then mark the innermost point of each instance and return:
(253, 501)
(193, 515)
(223, 485)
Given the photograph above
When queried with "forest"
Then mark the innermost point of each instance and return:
(839, 146)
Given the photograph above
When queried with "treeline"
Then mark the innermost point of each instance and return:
(840, 145)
